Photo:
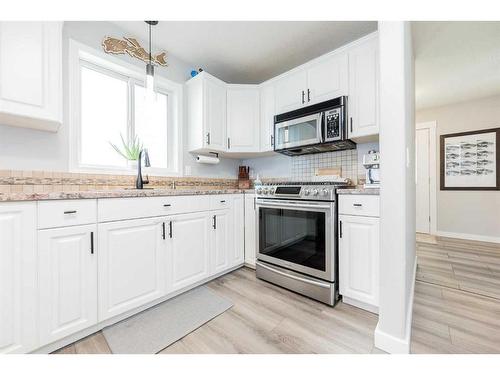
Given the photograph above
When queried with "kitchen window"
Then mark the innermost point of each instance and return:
(108, 102)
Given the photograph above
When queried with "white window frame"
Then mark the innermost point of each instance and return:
(81, 54)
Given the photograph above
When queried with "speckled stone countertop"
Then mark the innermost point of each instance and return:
(359, 191)
(118, 193)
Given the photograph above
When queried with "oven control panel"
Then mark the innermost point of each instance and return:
(301, 192)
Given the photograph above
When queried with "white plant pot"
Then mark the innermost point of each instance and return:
(132, 164)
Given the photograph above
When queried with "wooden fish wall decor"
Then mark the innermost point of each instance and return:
(131, 47)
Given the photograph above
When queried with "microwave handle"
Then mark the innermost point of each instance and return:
(322, 126)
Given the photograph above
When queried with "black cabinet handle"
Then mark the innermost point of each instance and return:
(167, 205)
(214, 225)
(303, 96)
(228, 143)
(272, 140)
(208, 138)
(70, 212)
(91, 242)
(357, 204)
(308, 95)
(340, 229)
(350, 119)
(223, 201)
(163, 230)
(170, 229)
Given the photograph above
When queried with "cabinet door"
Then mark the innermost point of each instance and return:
(132, 265)
(359, 258)
(267, 112)
(189, 250)
(222, 240)
(215, 115)
(250, 232)
(237, 250)
(18, 287)
(363, 90)
(243, 119)
(67, 274)
(291, 92)
(31, 73)
(327, 79)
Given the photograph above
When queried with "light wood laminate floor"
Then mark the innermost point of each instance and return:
(269, 319)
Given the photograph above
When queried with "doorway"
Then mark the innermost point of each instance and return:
(425, 177)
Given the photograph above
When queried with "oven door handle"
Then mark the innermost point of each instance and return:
(304, 280)
(288, 205)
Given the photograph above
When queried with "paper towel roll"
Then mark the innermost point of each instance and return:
(207, 159)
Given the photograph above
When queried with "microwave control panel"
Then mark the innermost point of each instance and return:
(332, 125)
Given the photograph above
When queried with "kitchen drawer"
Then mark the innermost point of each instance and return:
(361, 205)
(64, 213)
(220, 202)
(112, 209)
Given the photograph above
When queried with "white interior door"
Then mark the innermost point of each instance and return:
(422, 169)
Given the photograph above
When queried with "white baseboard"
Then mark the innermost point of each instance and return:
(393, 344)
(468, 236)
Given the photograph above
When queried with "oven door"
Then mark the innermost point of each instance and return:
(298, 132)
(297, 235)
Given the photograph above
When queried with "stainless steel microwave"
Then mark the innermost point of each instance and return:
(318, 128)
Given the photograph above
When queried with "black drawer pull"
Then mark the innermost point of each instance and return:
(223, 201)
(357, 204)
(214, 224)
(170, 228)
(340, 228)
(91, 242)
(163, 230)
(167, 205)
(70, 212)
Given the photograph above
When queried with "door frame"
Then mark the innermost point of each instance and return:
(432, 126)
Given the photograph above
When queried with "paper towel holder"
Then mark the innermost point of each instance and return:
(215, 153)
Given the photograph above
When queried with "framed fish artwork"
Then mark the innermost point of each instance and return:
(470, 160)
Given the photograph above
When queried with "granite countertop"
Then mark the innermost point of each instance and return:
(118, 193)
(359, 191)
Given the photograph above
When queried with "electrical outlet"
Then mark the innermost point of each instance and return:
(187, 170)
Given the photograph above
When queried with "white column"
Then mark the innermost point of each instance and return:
(397, 193)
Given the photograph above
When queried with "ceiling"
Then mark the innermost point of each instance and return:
(249, 51)
(455, 61)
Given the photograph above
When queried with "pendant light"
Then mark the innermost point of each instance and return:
(150, 69)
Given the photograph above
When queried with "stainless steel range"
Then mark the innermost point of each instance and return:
(297, 234)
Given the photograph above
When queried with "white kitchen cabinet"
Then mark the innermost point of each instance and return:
(250, 230)
(267, 112)
(131, 264)
(67, 274)
(290, 91)
(18, 284)
(327, 79)
(359, 260)
(222, 240)
(315, 82)
(31, 74)
(243, 116)
(237, 251)
(189, 249)
(363, 90)
(206, 113)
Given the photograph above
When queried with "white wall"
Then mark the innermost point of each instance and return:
(473, 214)
(397, 193)
(34, 150)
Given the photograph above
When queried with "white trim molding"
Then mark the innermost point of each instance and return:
(397, 345)
(468, 236)
(432, 126)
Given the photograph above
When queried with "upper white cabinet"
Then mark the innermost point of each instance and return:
(267, 112)
(31, 74)
(363, 90)
(131, 265)
(315, 82)
(206, 114)
(18, 291)
(243, 118)
(67, 274)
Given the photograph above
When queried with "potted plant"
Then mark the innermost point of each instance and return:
(130, 151)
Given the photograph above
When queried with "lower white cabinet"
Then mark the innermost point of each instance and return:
(131, 271)
(250, 230)
(189, 249)
(359, 260)
(237, 251)
(222, 240)
(67, 274)
(18, 277)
